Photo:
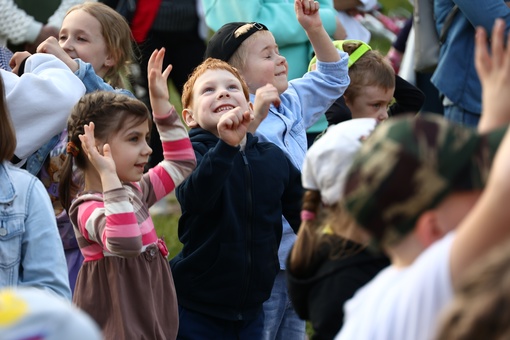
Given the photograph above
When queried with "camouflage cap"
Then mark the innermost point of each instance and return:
(408, 165)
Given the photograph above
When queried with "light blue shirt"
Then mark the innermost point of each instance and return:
(455, 76)
(302, 104)
(93, 82)
(31, 252)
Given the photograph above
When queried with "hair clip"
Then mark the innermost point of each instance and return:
(72, 149)
(307, 215)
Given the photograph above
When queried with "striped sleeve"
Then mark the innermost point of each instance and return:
(112, 224)
(179, 158)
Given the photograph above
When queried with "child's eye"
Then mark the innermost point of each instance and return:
(62, 38)
(377, 106)
(81, 39)
(208, 89)
(133, 139)
(233, 87)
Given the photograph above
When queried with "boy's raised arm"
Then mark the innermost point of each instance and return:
(487, 223)
(307, 13)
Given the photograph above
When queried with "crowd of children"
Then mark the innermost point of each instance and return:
(373, 232)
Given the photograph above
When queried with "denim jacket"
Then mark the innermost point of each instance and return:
(455, 75)
(31, 252)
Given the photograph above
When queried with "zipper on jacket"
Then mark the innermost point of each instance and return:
(249, 241)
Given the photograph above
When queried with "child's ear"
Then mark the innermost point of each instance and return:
(110, 61)
(427, 228)
(347, 100)
(187, 116)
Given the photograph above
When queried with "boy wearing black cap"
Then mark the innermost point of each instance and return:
(295, 107)
(412, 182)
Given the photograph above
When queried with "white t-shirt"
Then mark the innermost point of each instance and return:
(402, 303)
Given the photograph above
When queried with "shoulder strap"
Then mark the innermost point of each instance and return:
(447, 23)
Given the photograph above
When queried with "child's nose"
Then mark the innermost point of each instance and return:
(223, 93)
(65, 44)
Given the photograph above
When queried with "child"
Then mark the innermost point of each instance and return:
(125, 282)
(321, 274)
(30, 249)
(296, 106)
(231, 210)
(96, 43)
(412, 182)
(373, 87)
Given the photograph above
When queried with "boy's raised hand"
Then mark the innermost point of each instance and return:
(307, 13)
(264, 97)
(494, 73)
(233, 126)
(158, 83)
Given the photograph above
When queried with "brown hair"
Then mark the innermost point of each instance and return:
(371, 69)
(332, 224)
(109, 111)
(118, 38)
(7, 134)
(481, 305)
(209, 64)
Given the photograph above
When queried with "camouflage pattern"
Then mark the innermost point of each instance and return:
(408, 165)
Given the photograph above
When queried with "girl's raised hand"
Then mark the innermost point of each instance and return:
(158, 83)
(104, 162)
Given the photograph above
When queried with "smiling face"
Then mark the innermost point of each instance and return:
(130, 150)
(215, 92)
(81, 37)
(370, 102)
(264, 64)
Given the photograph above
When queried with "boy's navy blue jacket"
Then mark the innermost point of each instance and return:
(231, 225)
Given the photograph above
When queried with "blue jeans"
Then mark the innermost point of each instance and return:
(280, 318)
(193, 326)
(457, 114)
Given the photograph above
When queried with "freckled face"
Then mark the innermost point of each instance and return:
(371, 102)
(215, 92)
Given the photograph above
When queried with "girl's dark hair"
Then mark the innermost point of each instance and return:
(110, 112)
(7, 134)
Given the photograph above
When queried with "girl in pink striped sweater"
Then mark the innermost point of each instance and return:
(125, 282)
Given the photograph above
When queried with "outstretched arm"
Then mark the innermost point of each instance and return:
(493, 70)
(307, 13)
(487, 224)
(179, 158)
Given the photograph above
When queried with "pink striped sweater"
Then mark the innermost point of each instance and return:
(117, 222)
